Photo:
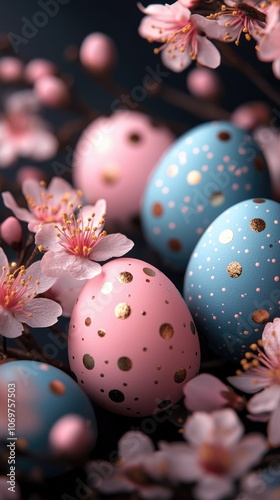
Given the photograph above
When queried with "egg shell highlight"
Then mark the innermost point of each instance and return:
(132, 341)
(232, 282)
(205, 171)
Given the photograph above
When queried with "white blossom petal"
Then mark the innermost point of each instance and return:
(134, 443)
(40, 312)
(265, 401)
(248, 453)
(112, 245)
(205, 393)
(20, 213)
(273, 428)
(9, 326)
(213, 488)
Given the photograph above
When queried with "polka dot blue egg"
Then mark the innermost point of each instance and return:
(205, 171)
(232, 282)
(42, 394)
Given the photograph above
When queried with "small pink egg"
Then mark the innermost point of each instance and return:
(11, 231)
(11, 69)
(204, 83)
(114, 157)
(98, 53)
(37, 68)
(51, 91)
(132, 343)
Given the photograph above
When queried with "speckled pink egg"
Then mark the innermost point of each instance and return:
(132, 341)
(114, 157)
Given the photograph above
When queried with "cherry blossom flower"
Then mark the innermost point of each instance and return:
(133, 471)
(18, 298)
(23, 133)
(268, 48)
(240, 18)
(207, 393)
(183, 35)
(215, 455)
(79, 243)
(46, 205)
(262, 376)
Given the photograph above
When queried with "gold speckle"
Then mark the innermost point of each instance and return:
(257, 225)
(172, 171)
(166, 331)
(22, 444)
(226, 236)
(124, 363)
(260, 316)
(217, 199)
(174, 245)
(57, 387)
(87, 321)
(194, 177)
(258, 200)
(149, 271)
(157, 209)
(259, 163)
(158, 367)
(125, 277)
(134, 137)
(110, 175)
(88, 361)
(180, 375)
(122, 310)
(101, 332)
(224, 136)
(234, 269)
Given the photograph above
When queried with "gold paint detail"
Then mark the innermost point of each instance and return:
(110, 175)
(260, 316)
(174, 245)
(180, 375)
(149, 271)
(166, 331)
(87, 321)
(124, 363)
(157, 209)
(57, 387)
(234, 269)
(122, 310)
(257, 225)
(101, 332)
(224, 136)
(88, 361)
(125, 277)
(217, 199)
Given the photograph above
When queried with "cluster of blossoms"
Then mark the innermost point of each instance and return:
(186, 36)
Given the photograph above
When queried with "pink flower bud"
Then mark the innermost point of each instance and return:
(204, 83)
(71, 436)
(251, 115)
(11, 231)
(11, 69)
(51, 91)
(29, 172)
(37, 68)
(98, 53)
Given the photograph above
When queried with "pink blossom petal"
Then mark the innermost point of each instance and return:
(208, 55)
(40, 282)
(134, 443)
(113, 483)
(276, 67)
(261, 417)
(248, 453)
(54, 263)
(265, 401)
(20, 213)
(204, 393)
(9, 326)
(58, 188)
(113, 245)
(3, 259)
(269, 48)
(271, 340)
(213, 488)
(273, 428)
(199, 428)
(155, 493)
(46, 236)
(179, 63)
(44, 312)
(41, 145)
(8, 154)
(229, 428)
(182, 462)
(249, 382)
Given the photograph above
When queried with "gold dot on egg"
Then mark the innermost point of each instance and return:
(226, 236)
(125, 277)
(124, 363)
(257, 225)
(217, 199)
(224, 136)
(87, 321)
(122, 310)
(157, 209)
(57, 387)
(194, 177)
(110, 175)
(164, 404)
(192, 327)
(259, 163)
(149, 271)
(116, 396)
(180, 375)
(166, 331)
(101, 332)
(174, 245)
(134, 137)
(158, 367)
(88, 361)
(260, 316)
(234, 269)
(172, 171)
(258, 200)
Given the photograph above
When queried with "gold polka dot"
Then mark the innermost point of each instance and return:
(135, 137)
(124, 363)
(166, 331)
(194, 177)
(125, 277)
(217, 199)
(149, 271)
(174, 245)
(87, 321)
(172, 171)
(258, 200)
(57, 387)
(101, 332)
(110, 175)
(122, 310)
(224, 136)
(260, 316)
(157, 209)
(180, 375)
(226, 236)
(257, 225)
(88, 361)
(259, 163)
(234, 269)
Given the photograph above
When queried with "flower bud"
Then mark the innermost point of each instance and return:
(11, 69)
(11, 231)
(98, 53)
(204, 83)
(71, 436)
(52, 91)
(38, 68)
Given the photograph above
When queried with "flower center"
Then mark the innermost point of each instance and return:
(79, 236)
(215, 459)
(179, 40)
(15, 289)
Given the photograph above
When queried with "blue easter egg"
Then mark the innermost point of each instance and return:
(41, 394)
(205, 171)
(232, 282)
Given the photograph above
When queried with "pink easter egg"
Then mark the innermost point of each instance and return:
(114, 157)
(132, 341)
